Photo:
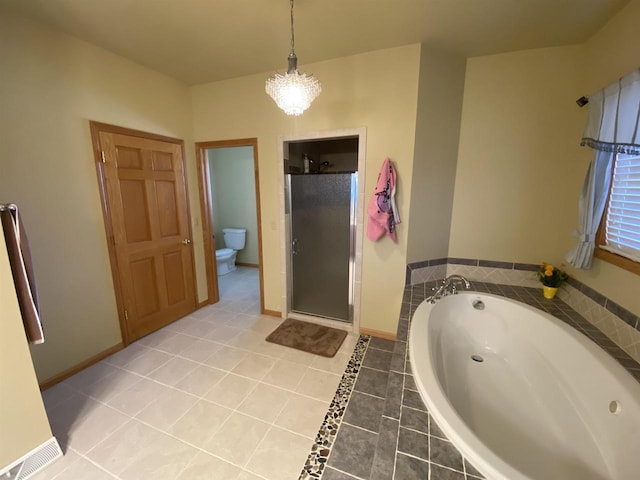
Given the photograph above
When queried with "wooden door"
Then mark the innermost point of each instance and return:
(146, 202)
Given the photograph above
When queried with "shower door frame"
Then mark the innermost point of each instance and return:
(285, 228)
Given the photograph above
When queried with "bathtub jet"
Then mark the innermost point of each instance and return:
(522, 395)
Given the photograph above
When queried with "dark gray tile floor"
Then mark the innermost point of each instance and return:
(387, 432)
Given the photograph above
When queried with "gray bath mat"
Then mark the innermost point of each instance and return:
(308, 337)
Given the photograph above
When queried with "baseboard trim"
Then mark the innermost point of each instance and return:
(202, 304)
(378, 334)
(272, 313)
(50, 382)
(252, 265)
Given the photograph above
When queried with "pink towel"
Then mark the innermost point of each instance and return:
(382, 212)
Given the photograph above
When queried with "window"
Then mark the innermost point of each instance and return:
(619, 233)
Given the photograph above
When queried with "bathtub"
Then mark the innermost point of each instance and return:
(522, 395)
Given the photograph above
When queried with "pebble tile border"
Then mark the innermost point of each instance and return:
(317, 460)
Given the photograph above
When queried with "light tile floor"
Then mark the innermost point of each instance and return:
(203, 398)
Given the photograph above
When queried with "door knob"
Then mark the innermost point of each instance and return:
(186, 241)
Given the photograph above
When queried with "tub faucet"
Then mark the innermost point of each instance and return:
(449, 286)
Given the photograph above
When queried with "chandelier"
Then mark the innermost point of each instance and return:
(293, 91)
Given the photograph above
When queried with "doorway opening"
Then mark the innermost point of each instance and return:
(322, 214)
(229, 199)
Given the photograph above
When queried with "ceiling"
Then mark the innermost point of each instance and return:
(199, 41)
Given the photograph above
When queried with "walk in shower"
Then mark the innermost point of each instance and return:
(321, 193)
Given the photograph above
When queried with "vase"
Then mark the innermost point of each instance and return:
(549, 292)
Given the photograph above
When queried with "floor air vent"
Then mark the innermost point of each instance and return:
(34, 461)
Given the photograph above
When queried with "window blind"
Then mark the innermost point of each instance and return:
(623, 215)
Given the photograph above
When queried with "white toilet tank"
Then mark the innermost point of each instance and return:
(234, 237)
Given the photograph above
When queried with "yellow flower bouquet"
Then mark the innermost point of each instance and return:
(551, 276)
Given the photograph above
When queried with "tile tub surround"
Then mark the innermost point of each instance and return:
(619, 324)
(387, 432)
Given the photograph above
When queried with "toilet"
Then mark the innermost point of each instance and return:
(234, 239)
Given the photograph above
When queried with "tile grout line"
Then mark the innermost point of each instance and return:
(350, 475)
(199, 397)
(159, 430)
(136, 419)
(227, 372)
(129, 419)
(358, 428)
(370, 395)
(97, 465)
(395, 454)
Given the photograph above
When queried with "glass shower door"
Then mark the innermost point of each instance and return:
(322, 216)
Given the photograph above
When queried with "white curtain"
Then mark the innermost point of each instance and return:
(613, 123)
(613, 126)
(591, 207)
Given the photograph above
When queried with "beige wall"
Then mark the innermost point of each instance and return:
(520, 168)
(23, 421)
(233, 194)
(613, 52)
(436, 150)
(517, 154)
(51, 86)
(377, 90)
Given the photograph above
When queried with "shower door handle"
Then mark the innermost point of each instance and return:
(294, 247)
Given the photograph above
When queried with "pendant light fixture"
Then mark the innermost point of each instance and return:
(293, 91)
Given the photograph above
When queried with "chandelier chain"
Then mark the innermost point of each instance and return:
(292, 38)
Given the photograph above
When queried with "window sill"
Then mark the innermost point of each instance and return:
(617, 260)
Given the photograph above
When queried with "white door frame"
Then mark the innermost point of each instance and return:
(285, 243)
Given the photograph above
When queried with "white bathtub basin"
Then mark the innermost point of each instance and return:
(545, 402)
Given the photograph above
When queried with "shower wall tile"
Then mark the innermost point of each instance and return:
(490, 271)
(503, 276)
(427, 274)
(622, 313)
(417, 265)
(493, 264)
(526, 266)
(614, 327)
(463, 261)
